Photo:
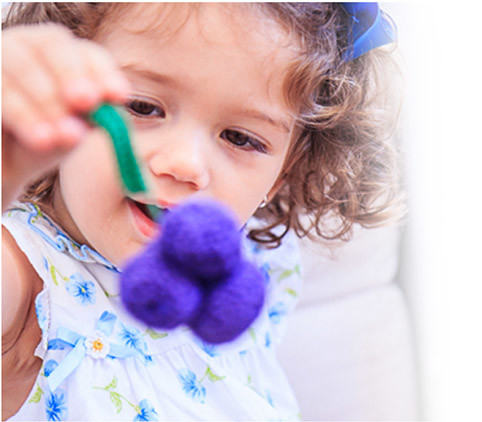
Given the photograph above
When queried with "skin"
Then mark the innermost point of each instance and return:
(209, 120)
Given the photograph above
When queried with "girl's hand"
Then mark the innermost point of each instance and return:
(49, 80)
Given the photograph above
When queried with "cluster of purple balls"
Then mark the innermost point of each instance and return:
(194, 274)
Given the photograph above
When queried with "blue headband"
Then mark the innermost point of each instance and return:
(371, 28)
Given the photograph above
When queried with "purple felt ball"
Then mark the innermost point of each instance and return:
(201, 239)
(155, 294)
(232, 307)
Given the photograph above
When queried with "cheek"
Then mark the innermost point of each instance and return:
(246, 195)
(91, 163)
(88, 181)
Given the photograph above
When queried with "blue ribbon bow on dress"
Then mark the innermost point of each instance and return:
(95, 345)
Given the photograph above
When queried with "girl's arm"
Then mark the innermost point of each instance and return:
(20, 330)
(15, 290)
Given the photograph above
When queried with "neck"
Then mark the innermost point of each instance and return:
(62, 216)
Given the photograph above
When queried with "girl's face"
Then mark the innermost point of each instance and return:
(208, 120)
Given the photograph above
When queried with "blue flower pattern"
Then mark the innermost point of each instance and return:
(49, 366)
(277, 311)
(147, 412)
(269, 398)
(265, 271)
(82, 290)
(191, 386)
(41, 314)
(210, 349)
(267, 339)
(56, 406)
(132, 337)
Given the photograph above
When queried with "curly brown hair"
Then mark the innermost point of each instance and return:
(342, 166)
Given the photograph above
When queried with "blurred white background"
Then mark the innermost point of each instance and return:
(352, 351)
(440, 43)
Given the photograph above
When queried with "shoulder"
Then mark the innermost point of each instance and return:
(20, 331)
(286, 255)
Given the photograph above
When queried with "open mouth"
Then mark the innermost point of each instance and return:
(147, 217)
(153, 212)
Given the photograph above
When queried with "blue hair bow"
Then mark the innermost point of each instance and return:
(371, 28)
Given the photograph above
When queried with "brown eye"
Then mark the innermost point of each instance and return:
(236, 138)
(242, 140)
(145, 109)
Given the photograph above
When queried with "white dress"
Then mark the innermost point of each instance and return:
(99, 363)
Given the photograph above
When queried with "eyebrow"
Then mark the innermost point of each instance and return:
(164, 79)
(153, 76)
(259, 115)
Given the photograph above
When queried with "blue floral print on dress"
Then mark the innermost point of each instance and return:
(251, 246)
(210, 349)
(41, 313)
(265, 271)
(49, 366)
(146, 412)
(56, 406)
(277, 311)
(82, 290)
(267, 339)
(133, 338)
(269, 398)
(191, 385)
(194, 391)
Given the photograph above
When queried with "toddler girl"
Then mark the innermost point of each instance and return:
(268, 108)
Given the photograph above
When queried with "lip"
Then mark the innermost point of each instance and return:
(165, 204)
(144, 225)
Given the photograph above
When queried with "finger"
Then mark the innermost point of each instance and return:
(25, 50)
(21, 117)
(58, 51)
(30, 127)
(105, 72)
(25, 71)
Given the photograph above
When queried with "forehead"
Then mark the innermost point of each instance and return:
(245, 25)
(164, 19)
(245, 34)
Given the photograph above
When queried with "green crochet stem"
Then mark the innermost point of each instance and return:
(111, 120)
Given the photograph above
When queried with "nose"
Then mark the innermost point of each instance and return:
(182, 159)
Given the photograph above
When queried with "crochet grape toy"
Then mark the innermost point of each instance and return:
(194, 274)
